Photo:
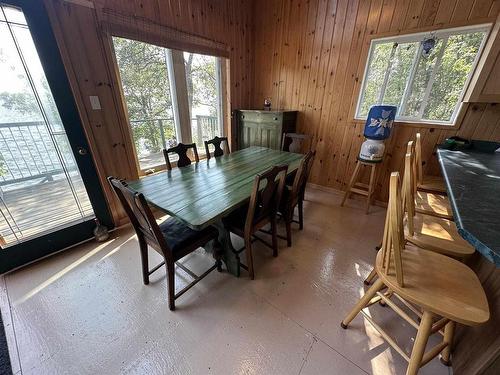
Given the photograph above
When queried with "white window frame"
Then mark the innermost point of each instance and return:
(418, 37)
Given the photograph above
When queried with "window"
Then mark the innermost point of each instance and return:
(424, 75)
(202, 79)
(167, 101)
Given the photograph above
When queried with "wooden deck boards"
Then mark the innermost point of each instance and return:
(36, 209)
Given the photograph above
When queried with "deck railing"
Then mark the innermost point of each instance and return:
(28, 151)
(204, 128)
(151, 135)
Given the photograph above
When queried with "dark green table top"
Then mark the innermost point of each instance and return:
(204, 192)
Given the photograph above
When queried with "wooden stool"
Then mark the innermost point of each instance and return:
(360, 188)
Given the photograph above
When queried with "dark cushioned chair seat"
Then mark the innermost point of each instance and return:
(179, 236)
(237, 218)
(287, 191)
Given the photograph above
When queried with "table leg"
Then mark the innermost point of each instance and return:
(228, 252)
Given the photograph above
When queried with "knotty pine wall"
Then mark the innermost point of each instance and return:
(90, 68)
(310, 56)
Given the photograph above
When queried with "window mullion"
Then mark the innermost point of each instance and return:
(387, 72)
(436, 66)
(179, 92)
(409, 81)
(220, 110)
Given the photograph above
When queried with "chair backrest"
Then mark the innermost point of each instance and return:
(181, 150)
(266, 195)
(394, 240)
(408, 191)
(218, 150)
(140, 215)
(418, 159)
(300, 180)
(295, 142)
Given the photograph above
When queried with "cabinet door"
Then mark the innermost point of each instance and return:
(250, 134)
(270, 135)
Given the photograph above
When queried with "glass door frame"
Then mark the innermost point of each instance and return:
(48, 51)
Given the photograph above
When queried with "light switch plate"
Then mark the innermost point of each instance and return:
(94, 102)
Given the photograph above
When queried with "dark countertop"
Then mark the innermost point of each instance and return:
(473, 184)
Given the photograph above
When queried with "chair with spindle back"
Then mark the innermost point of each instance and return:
(171, 239)
(425, 228)
(294, 196)
(431, 184)
(426, 231)
(218, 150)
(296, 142)
(431, 285)
(262, 210)
(181, 150)
(428, 203)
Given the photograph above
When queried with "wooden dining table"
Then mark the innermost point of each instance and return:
(202, 193)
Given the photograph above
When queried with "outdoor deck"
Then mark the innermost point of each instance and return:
(40, 208)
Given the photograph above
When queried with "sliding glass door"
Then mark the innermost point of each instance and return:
(49, 191)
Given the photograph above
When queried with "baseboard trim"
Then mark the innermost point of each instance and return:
(328, 189)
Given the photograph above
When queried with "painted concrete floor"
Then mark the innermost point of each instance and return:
(86, 311)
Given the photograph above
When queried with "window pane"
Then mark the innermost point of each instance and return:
(417, 88)
(14, 14)
(202, 87)
(424, 86)
(375, 76)
(145, 82)
(455, 68)
(28, 50)
(400, 71)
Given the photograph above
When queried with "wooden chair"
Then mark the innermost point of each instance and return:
(430, 232)
(181, 150)
(262, 209)
(428, 203)
(439, 290)
(430, 184)
(294, 196)
(218, 150)
(171, 239)
(296, 142)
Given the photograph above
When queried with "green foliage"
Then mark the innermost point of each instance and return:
(145, 82)
(450, 76)
(21, 102)
(145, 85)
(201, 81)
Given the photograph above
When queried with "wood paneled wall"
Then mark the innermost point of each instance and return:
(310, 56)
(79, 31)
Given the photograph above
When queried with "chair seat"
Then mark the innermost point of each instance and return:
(433, 184)
(235, 221)
(290, 178)
(180, 237)
(439, 284)
(433, 204)
(285, 197)
(439, 235)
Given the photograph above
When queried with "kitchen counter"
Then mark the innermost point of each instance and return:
(473, 185)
